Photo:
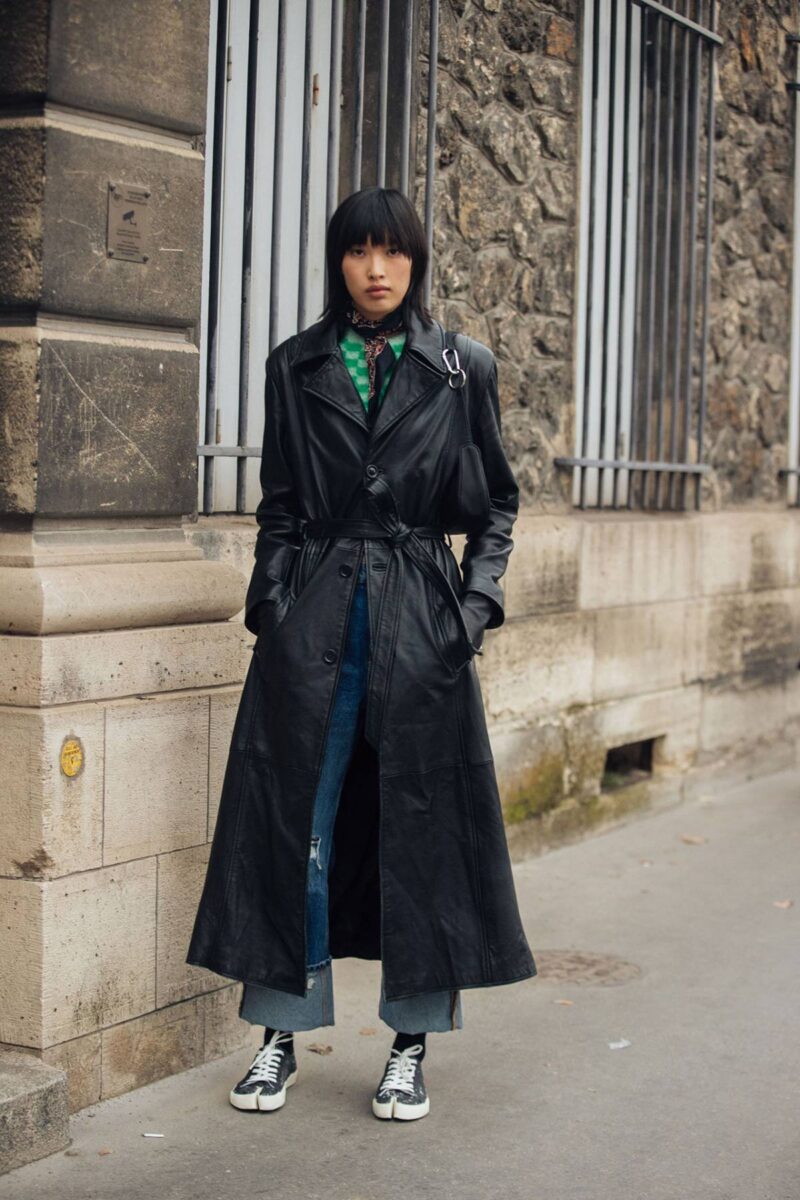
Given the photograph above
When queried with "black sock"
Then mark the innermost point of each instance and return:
(403, 1040)
(287, 1045)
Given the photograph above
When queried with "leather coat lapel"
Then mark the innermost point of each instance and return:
(420, 369)
(321, 371)
(331, 381)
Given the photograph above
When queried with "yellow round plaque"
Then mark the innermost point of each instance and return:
(71, 756)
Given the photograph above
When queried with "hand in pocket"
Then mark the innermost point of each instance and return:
(477, 610)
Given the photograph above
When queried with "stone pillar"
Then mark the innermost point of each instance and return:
(120, 666)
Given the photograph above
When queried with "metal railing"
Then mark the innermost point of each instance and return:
(645, 245)
(298, 119)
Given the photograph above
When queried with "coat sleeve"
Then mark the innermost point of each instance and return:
(486, 552)
(280, 527)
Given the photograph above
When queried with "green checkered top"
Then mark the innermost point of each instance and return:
(352, 345)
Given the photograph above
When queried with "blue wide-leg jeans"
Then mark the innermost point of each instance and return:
(430, 1012)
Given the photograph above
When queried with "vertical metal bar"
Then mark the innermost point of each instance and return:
(590, 240)
(410, 10)
(712, 59)
(334, 114)
(626, 108)
(607, 247)
(383, 93)
(246, 315)
(277, 189)
(652, 247)
(215, 249)
(305, 169)
(430, 162)
(666, 266)
(691, 305)
(645, 104)
(358, 107)
(678, 342)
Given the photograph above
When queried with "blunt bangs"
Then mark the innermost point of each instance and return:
(382, 215)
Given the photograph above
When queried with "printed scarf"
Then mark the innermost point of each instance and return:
(377, 351)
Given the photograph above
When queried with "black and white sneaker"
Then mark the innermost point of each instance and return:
(273, 1070)
(402, 1092)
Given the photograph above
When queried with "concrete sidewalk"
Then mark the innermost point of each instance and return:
(528, 1101)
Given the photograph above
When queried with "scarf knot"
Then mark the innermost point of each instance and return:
(378, 353)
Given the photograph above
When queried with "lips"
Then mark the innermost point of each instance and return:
(376, 291)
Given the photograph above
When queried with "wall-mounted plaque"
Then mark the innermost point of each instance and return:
(128, 222)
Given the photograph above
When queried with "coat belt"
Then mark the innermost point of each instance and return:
(364, 528)
(406, 538)
(405, 541)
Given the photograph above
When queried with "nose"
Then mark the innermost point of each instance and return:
(376, 267)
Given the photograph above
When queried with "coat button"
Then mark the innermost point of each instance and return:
(329, 656)
(372, 470)
(345, 569)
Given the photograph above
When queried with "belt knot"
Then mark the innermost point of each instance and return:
(400, 534)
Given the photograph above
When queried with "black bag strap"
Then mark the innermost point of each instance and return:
(456, 358)
(456, 362)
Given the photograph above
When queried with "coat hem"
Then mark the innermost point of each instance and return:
(450, 985)
(484, 983)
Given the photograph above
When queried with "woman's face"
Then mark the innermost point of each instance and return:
(369, 265)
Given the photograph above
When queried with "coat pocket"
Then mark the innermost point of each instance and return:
(453, 648)
(272, 614)
(275, 613)
(304, 580)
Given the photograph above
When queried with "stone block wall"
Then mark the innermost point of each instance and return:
(100, 873)
(506, 195)
(621, 629)
(115, 633)
(750, 313)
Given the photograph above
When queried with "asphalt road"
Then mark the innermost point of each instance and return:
(675, 947)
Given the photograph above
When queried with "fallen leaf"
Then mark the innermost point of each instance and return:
(318, 1048)
(693, 839)
(563, 1002)
(782, 903)
(367, 1032)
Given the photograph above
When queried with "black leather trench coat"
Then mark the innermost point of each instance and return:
(421, 876)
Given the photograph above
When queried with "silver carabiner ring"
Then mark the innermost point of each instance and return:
(454, 371)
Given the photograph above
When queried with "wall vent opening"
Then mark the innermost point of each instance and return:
(628, 764)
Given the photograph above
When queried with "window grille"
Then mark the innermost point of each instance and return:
(647, 155)
(297, 120)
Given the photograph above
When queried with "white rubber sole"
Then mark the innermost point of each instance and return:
(386, 1109)
(257, 1102)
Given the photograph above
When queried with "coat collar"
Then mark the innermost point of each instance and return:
(421, 368)
(425, 344)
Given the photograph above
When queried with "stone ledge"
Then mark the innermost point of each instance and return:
(69, 668)
(34, 1110)
(80, 599)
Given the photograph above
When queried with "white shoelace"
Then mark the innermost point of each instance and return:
(399, 1075)
(266, 1062)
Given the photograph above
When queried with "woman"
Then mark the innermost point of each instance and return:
(360, 814)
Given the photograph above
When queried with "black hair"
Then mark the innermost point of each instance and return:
(384, 215)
